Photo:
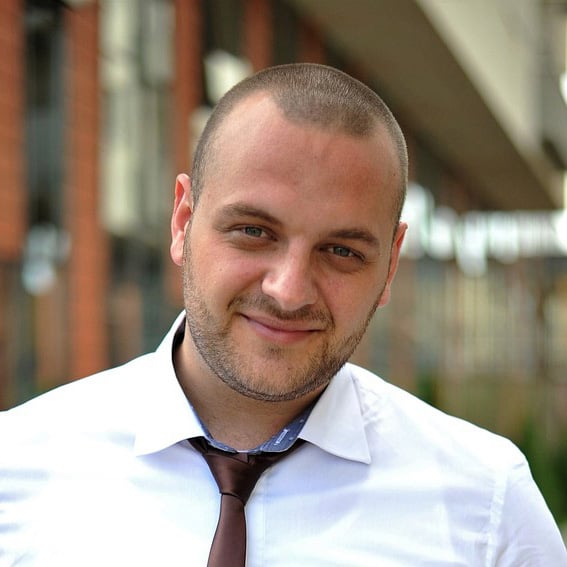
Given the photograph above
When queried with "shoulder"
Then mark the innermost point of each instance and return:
(467, 470)
(449, 480)
(394, 415)
(98, 403)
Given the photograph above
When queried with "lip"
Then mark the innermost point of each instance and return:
(278, 330)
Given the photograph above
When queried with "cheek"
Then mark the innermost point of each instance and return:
(225, 276)
(351, 300)
(349, 305)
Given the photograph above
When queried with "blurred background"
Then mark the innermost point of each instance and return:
(102, 101)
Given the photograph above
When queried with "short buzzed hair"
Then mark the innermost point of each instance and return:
(314, 94)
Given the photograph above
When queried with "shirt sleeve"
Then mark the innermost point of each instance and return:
(526, 534)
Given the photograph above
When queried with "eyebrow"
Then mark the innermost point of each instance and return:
(237, 210)
(357, 234)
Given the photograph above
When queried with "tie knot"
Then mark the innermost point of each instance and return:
(233, 475)
(236, 473)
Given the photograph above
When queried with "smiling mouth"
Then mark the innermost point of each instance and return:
(285, 332)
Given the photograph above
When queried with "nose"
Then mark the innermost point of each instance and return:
(289, 282)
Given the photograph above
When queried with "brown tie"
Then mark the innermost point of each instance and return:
(236, 475)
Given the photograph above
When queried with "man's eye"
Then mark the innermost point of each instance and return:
(342, 251)
(253, 231)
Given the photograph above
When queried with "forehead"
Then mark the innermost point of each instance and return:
(257, 142)
(257, 121)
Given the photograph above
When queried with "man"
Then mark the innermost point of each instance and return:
(289, 234)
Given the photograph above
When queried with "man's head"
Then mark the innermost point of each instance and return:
(307, 93)
(295, 239)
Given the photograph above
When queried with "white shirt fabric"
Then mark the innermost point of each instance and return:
(99, 472)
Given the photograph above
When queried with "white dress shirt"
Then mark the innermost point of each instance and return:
(99, 472)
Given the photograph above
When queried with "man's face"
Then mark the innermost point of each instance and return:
(288, 252)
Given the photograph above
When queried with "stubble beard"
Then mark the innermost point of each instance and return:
(213, 342)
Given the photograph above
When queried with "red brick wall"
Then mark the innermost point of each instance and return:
(88, 263)
(258, 38)
(187, 96)
(12, 191)
(12, 194)
(312, 49)
(187, 90)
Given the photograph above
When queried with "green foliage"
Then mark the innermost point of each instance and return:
(549, 468)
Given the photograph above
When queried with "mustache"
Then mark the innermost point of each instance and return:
(266, 305)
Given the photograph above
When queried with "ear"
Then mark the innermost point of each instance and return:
(182, 211)
(394, 260)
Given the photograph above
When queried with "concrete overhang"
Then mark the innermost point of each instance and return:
(398, 48)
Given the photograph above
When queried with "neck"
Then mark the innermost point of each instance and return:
(232, 418)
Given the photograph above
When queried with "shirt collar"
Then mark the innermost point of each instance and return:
(166, 417)
(336, 423)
